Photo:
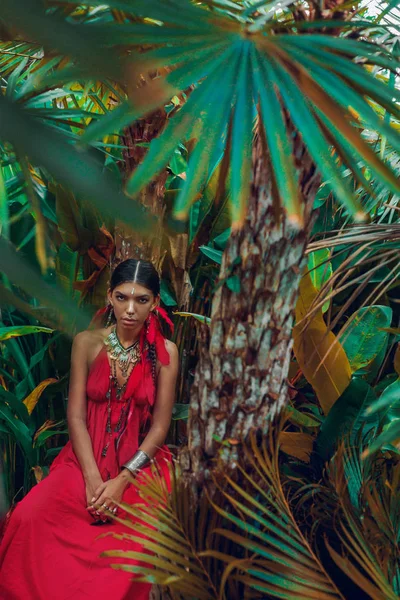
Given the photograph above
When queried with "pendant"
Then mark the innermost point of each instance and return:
(104, 451)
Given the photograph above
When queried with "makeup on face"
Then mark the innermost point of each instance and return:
(132, 304)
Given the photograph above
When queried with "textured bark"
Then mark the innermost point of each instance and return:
(240, 381)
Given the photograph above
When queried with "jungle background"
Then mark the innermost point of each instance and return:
(251, 151)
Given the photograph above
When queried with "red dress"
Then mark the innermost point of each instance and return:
(50, 549)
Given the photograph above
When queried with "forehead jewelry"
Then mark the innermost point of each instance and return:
(133, 291)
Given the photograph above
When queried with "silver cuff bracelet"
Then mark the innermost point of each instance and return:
(139, 460)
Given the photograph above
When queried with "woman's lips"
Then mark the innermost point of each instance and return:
(129, 320)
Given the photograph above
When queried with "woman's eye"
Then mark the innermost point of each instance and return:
(143, 300)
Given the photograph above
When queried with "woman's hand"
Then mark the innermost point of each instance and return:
(107, 493)
(91, 486)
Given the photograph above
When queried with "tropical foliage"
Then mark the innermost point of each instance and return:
(312, 510)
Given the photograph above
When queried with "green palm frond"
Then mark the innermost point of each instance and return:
(246, 535)
(171, 533)
(370, 255)
(283, 565)
(369, 529)
(65, 111)
(333, 90)
(246, 68)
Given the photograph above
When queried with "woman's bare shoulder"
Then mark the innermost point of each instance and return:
(92, 335)
(172, 350)
(90, 342)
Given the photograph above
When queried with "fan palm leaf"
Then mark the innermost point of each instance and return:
(265, 550)
(275, 69)
(242, 63)
(367, 249)
(378, 560)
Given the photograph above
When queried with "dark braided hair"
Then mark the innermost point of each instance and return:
(153, 360)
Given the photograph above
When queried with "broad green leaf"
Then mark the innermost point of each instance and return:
(166, 295)
(51, 296)
(346, 417)
(19, 431)
(201, 318)
(302, 418)
(45, 435)
(180, 411)
(390, 435)
(222, 239)
(363, 339)
(215, 255)
(15, 405)
(389, 396)
(7, 333)
(233, 284)
(177, 163)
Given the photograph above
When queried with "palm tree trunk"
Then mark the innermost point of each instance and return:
(240, 381)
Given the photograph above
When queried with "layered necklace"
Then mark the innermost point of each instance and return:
(127, 359)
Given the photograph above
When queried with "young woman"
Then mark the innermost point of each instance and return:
(121, 393)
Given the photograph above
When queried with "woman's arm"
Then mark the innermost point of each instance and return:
(77, 411)
(165, 398)
(162, 412)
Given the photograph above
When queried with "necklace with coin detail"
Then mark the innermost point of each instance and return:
(124, 356)
(127, 359)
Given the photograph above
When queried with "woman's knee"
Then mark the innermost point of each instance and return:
(29, 510)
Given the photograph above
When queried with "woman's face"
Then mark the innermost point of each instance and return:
(132, 304)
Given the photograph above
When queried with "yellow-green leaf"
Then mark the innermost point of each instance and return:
(33, 398)
(319, 353)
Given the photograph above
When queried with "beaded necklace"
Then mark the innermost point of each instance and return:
(127, 359)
